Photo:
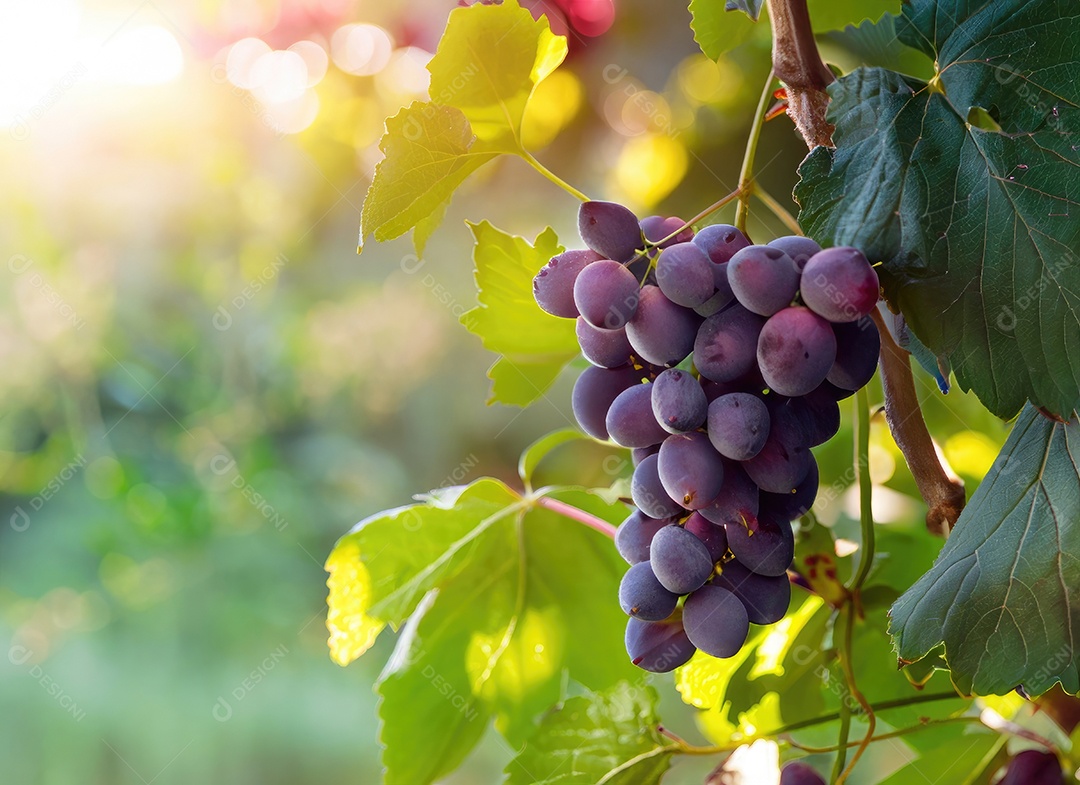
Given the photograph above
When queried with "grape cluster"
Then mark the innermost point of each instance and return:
(777, 334)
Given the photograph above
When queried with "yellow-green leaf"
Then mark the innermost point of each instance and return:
(488, 63)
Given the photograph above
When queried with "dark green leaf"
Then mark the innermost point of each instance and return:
(610, 738)
(977, 230)
(1002, 596)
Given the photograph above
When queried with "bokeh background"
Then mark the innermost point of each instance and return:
(204, 385)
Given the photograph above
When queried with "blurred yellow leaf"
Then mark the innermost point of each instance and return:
(352, 631)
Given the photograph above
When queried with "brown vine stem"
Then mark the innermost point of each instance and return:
(798, 65)
(573, 513)
(944, 496)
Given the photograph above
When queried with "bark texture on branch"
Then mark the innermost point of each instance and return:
(943, 495)
(798, 65)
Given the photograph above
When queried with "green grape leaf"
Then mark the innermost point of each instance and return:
(501, 600)
(609, 738)
(540, 449)
(752, 8)
(534, 345)
(717, 31)
(955, 754)
(826, 15)
(976, 229)
(489, 61)
(1002, 595)
(429, 150)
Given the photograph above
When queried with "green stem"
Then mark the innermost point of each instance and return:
(746, 174)
(712, 208)
(891, 734)
(530, 159)
(862, 461)
(842, 742)
(778, 210)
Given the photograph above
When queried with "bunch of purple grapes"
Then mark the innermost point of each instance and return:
(720, 364)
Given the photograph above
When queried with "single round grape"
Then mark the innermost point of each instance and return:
(839, 284)
(606, 294)
(642, 596)
(680, 561)
(765, 545)
(720, 242)
(610, 229)
(738, 425)
(713, 535)
(603, 348)
(798, 249)
(691, 471)
(661, 332)
(678, 402)
(638, 454)
(648, 492)
(725, 347)
(818, 412)
(715, 621)
(630, 421)
(656, 228)
(1032, 767)
(594, 392)
(766, 598)
(764, 279)
(857, 347)
(795, 350)
(738, 499)
(684, 274)
(634, 535)
(785, 459)
(553, 286)
(658, 646)
(799, 773)
(795, 504)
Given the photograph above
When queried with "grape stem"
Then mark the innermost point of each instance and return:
(575, 514)
(890, 735)
(943, 495)
(798, 65)
(746, 173)
(778, 210)
(712, 208)
(531, 160)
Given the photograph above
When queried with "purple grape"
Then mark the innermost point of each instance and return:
(750, 383)
(594, 392)
(857, 347)
(648, 492)
(691, 471)
(678, 402)
(610, 229)
(638, 454)
(715, 621)
(661, 332)
(656, 228)
(630, 421)
(738, 425)
(680, 561)
(766, 598)
(725, 347)
(553, 286)
(795, 504)
(738, 500)
(798, 249)
(1032, 767)
(765, 545)
(817, 411)
(795, 350)
(634, 535)
(763, 278)
(606, 294)
(684, 274)
(720, 242)
(714, 536)
(604, 348)
(800, 773)
(839, 284)
(642, 596)
(785, 459)
(658, 646)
